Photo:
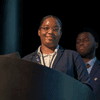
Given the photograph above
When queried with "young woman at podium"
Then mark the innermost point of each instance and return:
(52, 55)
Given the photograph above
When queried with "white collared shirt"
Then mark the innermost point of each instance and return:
(91, 63)
(48, 58)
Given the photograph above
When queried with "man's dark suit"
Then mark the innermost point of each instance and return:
(68, 62)
(95, 78)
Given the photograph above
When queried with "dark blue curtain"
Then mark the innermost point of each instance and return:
(11, 19)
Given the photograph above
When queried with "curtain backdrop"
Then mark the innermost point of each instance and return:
(11, 26)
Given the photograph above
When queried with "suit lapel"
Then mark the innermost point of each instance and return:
(35, 57)
(59, 54)
(95, 68)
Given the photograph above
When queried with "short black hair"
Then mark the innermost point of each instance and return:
(48, 16)
(93, 33)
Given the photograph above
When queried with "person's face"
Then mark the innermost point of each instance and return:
(85, 44)
(49, 37)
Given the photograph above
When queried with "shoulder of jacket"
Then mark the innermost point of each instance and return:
(29, 56)
(71, 51)
(97, 61)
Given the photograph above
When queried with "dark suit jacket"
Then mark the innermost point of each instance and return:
(68, 62)
(95, 78)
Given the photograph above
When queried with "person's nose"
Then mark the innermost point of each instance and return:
(81, 43)
(50, 31)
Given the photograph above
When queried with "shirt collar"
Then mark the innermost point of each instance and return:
(55, 51)
(92, 61)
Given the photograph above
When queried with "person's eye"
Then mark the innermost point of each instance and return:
(46, 28)
(55, 29)
(86, 40)
(77, 42)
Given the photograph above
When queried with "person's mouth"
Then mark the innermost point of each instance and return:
(49, 37)
(81, 48)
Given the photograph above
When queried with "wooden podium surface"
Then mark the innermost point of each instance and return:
(25, 80)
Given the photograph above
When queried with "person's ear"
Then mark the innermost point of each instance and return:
(96, 45)
(38, 32)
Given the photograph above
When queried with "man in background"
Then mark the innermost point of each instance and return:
(86, 44)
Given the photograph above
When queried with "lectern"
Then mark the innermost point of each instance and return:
(26, 80)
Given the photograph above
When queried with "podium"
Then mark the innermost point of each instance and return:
(26, 80)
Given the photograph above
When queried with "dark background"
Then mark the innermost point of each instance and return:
(74, 16)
